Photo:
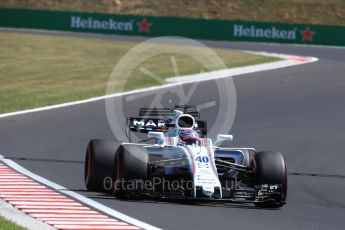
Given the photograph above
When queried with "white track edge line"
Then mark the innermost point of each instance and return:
(118, 215)
(231, 72)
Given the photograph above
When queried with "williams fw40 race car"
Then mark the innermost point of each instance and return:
(178, 161)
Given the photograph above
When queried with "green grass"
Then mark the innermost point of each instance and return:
(330, 12)
(8, 225)
(41, 70)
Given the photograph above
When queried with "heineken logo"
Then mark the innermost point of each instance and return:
(110, 24)
(271, 33)
(307, 34)
(144, 26)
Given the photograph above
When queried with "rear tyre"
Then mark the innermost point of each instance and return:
(132, 170)
(99, 172)
(271, 169)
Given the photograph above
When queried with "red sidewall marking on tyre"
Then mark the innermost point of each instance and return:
(50, 206)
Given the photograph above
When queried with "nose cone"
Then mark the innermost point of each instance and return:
(208, 190)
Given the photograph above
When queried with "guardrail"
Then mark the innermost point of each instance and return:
(169, 26)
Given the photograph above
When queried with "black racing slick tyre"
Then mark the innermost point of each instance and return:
(100, 168)
(132, 170)
(271, 170)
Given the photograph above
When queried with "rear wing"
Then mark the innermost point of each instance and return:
(165, 112)
(147, 124)
(160, 119)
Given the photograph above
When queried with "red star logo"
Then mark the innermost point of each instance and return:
(144, 26)
(307, 34)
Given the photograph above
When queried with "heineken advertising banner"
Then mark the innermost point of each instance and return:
(168, 26)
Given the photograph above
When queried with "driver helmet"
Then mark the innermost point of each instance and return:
(189, 136)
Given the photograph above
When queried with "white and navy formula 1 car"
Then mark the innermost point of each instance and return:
(178, 161)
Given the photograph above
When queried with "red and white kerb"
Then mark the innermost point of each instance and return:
(50, 206)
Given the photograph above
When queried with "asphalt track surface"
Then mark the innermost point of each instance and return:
(297, 110)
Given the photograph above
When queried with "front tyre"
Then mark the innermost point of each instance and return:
(271, 170)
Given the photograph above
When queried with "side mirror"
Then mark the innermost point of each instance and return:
(225, 137)
(158, 135)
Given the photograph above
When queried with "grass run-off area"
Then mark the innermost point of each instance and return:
(41, 70)
(8, 225)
